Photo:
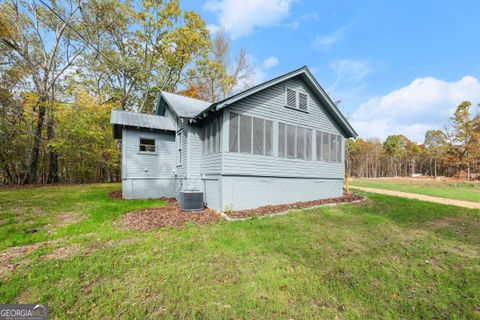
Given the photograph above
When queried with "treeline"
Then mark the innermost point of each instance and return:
(453, 152)
(65, 64)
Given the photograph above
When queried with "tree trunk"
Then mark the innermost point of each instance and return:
(52, 154)
(32, 177)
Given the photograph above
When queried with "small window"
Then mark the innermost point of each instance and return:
(302, 101)
(339, 148)
(147, 145)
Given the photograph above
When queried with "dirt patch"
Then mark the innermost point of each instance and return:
(168, 216)
(117, 194)
(10, 258)
(63, 220)
(271, 209)
(62, 252)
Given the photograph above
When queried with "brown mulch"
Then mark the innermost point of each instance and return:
(271, 209)
(168, 216)
(117, 194)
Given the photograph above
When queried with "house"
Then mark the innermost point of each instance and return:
(279, 142)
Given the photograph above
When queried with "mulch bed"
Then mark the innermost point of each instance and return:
(117, 194)
(168, 216)
(271, 209)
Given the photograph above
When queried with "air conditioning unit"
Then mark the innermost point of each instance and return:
(191, 200)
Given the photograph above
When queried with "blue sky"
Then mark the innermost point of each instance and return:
(397, 66)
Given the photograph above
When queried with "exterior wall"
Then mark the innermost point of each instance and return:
(147, 175)
(249, 181)
(230, 179)
(252, 192)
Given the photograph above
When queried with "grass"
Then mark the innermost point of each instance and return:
(469, 191)
(387, 258)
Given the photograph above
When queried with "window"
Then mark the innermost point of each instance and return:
(211, 136)
(339, 148)
(296, 99)
(245, 134)
(179, 149)
(318, 140)
(258, 136)
(281, 140)
(233, 137)
(250, 135)
(294, 142)
(308, 144)
(268, 137)
(333, 151)
(300, 143)
(291, 141)
(147, 145)
(325, 147)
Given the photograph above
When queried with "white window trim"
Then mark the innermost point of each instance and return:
(147, 152)
(179, 148)
(251, 137)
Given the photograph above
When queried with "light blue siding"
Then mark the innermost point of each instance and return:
(252, 192)
(237, 180)
(147, 175)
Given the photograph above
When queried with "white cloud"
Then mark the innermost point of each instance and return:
(324, 42)
(349, 70)
(213, 28)
(270, 62)
(240, 18)
(426, 103)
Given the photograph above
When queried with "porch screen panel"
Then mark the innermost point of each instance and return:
(233, 133)
(308, 144)
(245, 134)
(268, 137)
(339, 148)
(325, 147)
(281, 139)
(318, 140)
(291, 141)
(213, 129)
(333, 151)
(300, 143)
(258, 138)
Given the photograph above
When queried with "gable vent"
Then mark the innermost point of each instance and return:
(302, 101)
(291, 98)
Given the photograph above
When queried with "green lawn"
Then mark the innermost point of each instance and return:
(469, 191)
(386, 258)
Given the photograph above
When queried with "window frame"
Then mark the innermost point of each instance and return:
(145, 151)
(179, 148)
(238, 143)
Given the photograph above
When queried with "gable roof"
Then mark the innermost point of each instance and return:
(201, 107)
(120, 118)
(184, 107)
